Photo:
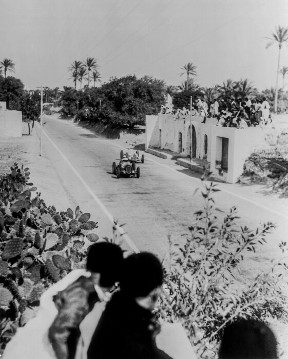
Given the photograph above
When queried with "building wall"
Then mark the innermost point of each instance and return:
(152, 132)
(2, 105)
(163, 131)
(10, 123)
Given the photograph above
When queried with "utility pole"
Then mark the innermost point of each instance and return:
(41, 119)
(190, 128)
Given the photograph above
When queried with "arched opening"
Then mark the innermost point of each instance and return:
(180, 142)
(205, 145)
(194, 143)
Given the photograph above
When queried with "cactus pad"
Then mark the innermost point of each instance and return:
(52, 270)
(84, 217)
(61, 262)
(5, 297)
(12, 248)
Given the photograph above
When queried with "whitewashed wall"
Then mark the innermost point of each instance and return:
(10, 123)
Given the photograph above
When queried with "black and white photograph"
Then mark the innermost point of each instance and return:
(144, 179)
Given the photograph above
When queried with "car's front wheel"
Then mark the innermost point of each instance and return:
(138, 172)
(114, 168)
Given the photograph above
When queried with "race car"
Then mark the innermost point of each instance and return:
(132, 156)
(126, 168)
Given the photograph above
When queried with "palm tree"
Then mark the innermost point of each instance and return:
(75, 68)
(279, 37)
(90, 65)
(96, 76)
(190, 69)
(227, 89)
(244, 88)
(7, 65)
(81, 74)
(283, 72)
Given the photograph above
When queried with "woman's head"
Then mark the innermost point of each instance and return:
(105, 259)
(142, 277)
(248, 339)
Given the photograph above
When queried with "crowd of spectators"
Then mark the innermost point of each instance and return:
(230, 112)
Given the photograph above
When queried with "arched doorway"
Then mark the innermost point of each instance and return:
(194, 143)
(205, 145)
(180, 142)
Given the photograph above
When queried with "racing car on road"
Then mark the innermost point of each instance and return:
(126, 168)
(132, 156)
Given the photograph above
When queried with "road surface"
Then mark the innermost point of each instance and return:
(75, 168)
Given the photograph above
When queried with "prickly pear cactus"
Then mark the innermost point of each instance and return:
(13, 248)
(61, 262)
(5, 297)
(52, 270)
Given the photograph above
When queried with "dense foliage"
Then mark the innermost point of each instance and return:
(120, 102)
(205, 286)
(38, 246)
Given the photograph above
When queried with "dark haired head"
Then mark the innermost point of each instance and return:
(248, 339)
(107, 259)
(142, 272)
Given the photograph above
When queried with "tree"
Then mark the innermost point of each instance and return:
(279, 37)
(11, 90)
(190, 69)
(7, 65)
(90, 65)
(210, 93)
(81, 74)
(30, 107)
(74, 69)
(96, 77)
(283, 72)
(227, 89)
(244, 88)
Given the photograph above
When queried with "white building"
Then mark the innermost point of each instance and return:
(225, 148)
(10, 122)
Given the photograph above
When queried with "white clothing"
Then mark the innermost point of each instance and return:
(31, 341)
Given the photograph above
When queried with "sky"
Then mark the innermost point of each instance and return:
(223, 38)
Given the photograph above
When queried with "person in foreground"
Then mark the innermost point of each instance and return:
(104, 262)
(248, 339)
(127, 328)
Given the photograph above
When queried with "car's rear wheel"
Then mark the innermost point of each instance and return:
(142, 158)
(138, 172)
(121, 154)
(114, 168)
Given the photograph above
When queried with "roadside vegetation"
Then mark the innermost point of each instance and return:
(205, 287)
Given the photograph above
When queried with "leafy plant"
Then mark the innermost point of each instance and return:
(204, 288)
(38, 246)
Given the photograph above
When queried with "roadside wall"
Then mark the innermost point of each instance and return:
(2, 105)
(152, 132)
(188, 135)
(10, 123)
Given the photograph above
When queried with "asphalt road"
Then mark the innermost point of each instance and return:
(159, 203)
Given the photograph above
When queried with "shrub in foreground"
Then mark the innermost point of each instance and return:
(38, 246)
(207, 285)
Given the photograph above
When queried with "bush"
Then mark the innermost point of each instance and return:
(38, 246)
(204, 289)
